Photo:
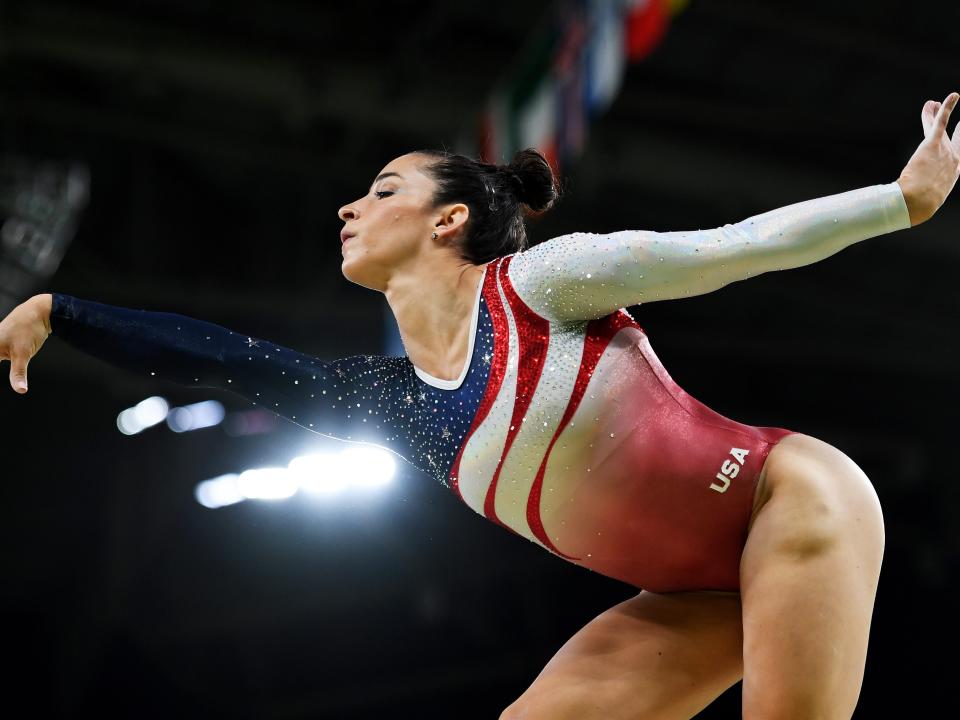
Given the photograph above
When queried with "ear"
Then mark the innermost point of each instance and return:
(451, 220)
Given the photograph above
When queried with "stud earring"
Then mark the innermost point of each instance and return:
(433, 237)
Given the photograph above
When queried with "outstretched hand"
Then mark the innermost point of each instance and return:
(22, 332)
(932, 170)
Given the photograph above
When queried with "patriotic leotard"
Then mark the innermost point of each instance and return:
(563, 426)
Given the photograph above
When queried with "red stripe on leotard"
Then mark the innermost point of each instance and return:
(533, 336)
(598, 335)
(501, 342)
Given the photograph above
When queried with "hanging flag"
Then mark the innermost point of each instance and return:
(569, 72)
(646, 23)
(568, 77)
(604, 55)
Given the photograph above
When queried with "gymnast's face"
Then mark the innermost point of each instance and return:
(391, 226)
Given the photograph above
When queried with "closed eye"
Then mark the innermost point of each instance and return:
(383, 193)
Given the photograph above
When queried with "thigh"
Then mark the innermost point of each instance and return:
(808, 578)
(663, 656)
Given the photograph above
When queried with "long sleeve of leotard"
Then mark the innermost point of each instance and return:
(585, 276)
(349, 398)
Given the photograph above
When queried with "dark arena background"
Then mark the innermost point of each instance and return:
(191, 157)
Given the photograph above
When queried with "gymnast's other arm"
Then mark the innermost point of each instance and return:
(324, 397)
(585, 276)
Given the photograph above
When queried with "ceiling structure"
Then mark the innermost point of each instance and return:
(222, 139)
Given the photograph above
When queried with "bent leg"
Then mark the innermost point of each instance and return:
(808, 579)
(654, 656)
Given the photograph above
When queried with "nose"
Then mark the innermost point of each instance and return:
(347, 212)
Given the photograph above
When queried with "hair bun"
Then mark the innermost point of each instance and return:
(533, 180)
(514, 177)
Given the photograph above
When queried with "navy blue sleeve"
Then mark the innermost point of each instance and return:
(358, 398)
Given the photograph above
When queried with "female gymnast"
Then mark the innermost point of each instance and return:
(533, 394)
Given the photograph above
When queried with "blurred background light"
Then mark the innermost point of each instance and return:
(266, 484)
(218, 491)
(196, 416)
(315, 473)
(320, 473)
(144, 414)
(368, 466)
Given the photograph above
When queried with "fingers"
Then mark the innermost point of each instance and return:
(940, 123)
(927, 116)
(18, 372)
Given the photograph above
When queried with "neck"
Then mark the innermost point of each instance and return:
(433, 307)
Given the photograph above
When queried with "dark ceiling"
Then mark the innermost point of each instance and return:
(221, 138)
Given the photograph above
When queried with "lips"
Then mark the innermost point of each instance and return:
(344, 236)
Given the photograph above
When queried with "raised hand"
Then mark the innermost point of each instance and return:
(22, 332)
(932, 170)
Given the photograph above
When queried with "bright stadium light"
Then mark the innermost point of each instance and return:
(315, 473)
(325, 473)
(320, 473)
(267, 484)
(368, 466)
(196, 416)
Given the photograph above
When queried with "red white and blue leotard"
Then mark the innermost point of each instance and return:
(563, 426)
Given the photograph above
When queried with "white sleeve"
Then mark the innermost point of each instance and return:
(585, 275)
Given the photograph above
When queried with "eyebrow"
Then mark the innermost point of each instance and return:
(381, 176)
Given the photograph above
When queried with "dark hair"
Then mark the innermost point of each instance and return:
(496, 196)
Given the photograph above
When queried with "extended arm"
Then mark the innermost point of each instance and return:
(583, 276)
(336, 398)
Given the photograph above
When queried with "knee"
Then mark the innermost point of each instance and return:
(807, 706)
(527, 708)
(521, 709)
(601, 702)
(551, 707)
(512, 712)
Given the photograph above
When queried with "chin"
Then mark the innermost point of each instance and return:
(357, 275)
